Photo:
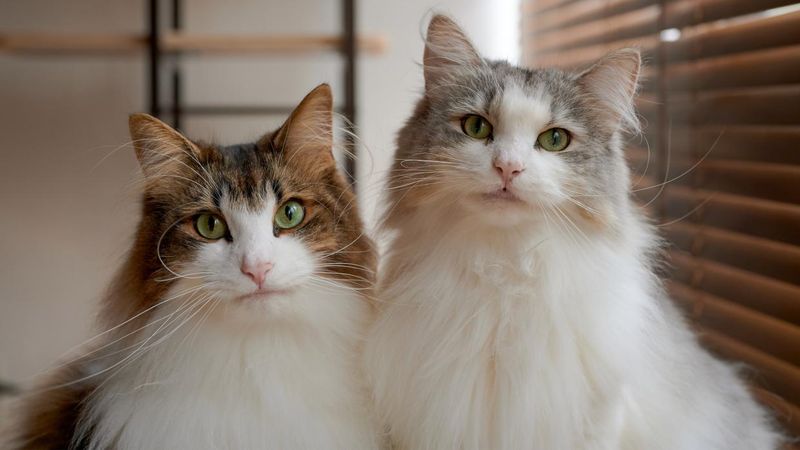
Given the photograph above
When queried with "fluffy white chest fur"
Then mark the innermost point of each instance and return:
(544, 342)
(277, 385)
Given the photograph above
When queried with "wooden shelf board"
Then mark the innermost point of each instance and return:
(68, 43)
(182, 42)
(210, 43)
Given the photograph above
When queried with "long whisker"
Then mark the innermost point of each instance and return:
(187, 312)
(692, 211)
(134, 317)
(687, 171)
(107, 369)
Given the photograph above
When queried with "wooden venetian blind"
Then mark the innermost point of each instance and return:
(718, 165)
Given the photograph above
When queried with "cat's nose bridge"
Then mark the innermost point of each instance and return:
(508, 165)
(257, 253)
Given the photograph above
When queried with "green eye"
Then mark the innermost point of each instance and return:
(290, 215)
(210, 226)
(476, 126)
(554, 139)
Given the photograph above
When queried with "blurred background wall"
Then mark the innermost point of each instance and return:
(66, 173)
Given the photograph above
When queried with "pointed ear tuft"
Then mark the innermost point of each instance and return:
(611, 83)
(159, 148)
(307, 135)
(446, 49)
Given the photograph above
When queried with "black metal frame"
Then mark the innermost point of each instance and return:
(154, 52)
(350, 50)
(177, 110)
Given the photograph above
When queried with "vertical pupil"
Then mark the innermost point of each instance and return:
(556, 137)
(289, 212)
(211, 223)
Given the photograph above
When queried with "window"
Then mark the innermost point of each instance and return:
(718, 165)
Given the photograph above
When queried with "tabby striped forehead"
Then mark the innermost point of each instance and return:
(244, 174)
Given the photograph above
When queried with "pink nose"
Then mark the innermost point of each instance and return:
(256, 271)
(508, 170)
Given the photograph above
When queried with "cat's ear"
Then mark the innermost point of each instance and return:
(611, 84)
(306, 138)
(159, 148)
(447, 49)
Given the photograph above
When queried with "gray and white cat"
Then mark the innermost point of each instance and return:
(520, 308)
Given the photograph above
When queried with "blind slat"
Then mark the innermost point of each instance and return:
(773, 297)
(701, 41)
(691, 12)
(757, 143)
(582, 11)
(786, 413)
(763, 218)
(628, 25)
(759, 256)
(769, 181)
(774, 374)
(761, 179)
(648, 20)
(708, 40)
(777, 105)
(764, 67)
(582, 56)
(770, 335)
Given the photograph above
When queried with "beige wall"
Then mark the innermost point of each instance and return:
(66, 174)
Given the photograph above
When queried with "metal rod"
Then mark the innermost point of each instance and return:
(177, 95)
(6, 388)
(662, 164)
(177, 107)
(154, 53)
(177, 14)
(350, 49)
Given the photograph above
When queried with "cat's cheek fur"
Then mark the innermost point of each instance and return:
(291, 275)
(213, 385)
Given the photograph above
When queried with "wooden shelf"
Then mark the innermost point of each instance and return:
(68, 43)
(182, 42)
(210, 43)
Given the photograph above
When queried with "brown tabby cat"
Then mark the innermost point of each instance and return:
(237, 318)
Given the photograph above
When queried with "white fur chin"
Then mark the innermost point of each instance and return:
(537, 340)
(290, 383)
